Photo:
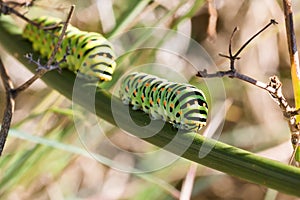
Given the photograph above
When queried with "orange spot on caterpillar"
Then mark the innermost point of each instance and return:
(179, 113)
(80, 53)
(165, 103)
(151, 102)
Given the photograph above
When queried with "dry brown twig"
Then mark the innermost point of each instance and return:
(212, 20)
(274, 87)
(9, 8)
(295, 72)
(12, 93)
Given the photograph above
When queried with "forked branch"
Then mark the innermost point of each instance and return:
(274, 87)
(12, 93)
(10, 8)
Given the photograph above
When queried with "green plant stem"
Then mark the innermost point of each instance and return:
(222, 157)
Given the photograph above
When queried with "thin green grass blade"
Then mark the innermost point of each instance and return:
(134, 10)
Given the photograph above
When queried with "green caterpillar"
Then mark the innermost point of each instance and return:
(183, 105)
(90, 53)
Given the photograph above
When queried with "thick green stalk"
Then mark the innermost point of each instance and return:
(222, 157)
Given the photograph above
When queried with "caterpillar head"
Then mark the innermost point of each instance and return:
(190, 109)
(196, 119)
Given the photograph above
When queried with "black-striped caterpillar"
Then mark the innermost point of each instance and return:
(90, 53)
(183, 105)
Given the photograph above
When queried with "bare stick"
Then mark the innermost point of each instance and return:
(234, 74)
(234, 57)
(295, 68)
(212, 21)
(8, 8)
(272, 22)
(58, 45)
(42, 71)
(187, 186)
(12, 93)
(274, 87)
(9, 108)
(295, 142)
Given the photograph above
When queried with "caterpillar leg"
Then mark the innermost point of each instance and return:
(155, 116)
(178, 126)
(136, 107)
